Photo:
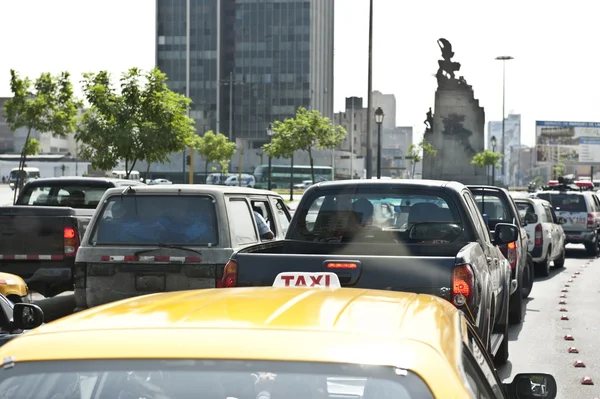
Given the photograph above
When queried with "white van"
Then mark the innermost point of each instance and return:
(120, 174)
(247, 180)
(217, 179)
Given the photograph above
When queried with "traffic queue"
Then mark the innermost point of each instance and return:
(372, 289)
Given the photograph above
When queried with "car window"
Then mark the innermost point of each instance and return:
(160, 378)
(282, 215)
(151, 219)
(492, 204)
(76, 196)
(548, 215)
(554, 217)
(480, 225)
(378, 215)
(242, 222)
(524, 208)
(565, 202)
(264, 209)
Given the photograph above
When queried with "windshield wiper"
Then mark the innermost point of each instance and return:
(161, 245)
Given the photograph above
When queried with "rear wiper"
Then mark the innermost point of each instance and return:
(161, 245)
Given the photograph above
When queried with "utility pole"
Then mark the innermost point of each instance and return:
(187, 82)
(218, 118)
(503, 58)
(370, 96)
(231, 106)
(352, 142)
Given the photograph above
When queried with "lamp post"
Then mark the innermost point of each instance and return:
(493, 166)
(270, 134)
(503, 58)
(379, 120)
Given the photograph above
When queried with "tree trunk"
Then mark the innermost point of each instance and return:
(20, 180)
(206, 171)
(312, 167)
(147, 170)
(412, 175)
(128, 170)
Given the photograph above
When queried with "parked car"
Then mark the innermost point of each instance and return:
(546, 235)
(268, 342)
(42, 231)
(440, 246)
(497, 206)
(246, 180)
(581, 210)
(169, 238)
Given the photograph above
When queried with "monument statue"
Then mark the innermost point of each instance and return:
(447, 68)
(429, 121)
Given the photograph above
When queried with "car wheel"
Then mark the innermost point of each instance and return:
(543, 268)
(560, 261)
(592, 247)
(515, 306)
(528, 275)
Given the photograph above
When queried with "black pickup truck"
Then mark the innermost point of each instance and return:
(40, 234)
(418, 236)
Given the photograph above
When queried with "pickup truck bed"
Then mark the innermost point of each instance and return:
(419, 268)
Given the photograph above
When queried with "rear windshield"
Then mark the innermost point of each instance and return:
(565, 202)
(157, 219)
(183, 379)
(375, 217)
(75, 196)
(524, 208)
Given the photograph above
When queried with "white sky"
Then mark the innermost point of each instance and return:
(551, 78)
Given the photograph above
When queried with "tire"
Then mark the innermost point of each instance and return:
(502, 355)
(543, 268)
(559, 262)
(528, 276)
(592, 247)
(515, 306)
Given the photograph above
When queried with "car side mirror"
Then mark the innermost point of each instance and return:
(562, 220)
(27, 316)
(532, 386)
(505, 233)
(531, 218)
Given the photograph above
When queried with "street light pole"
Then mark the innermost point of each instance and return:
(270, 134)
(503, 58)
(352, 142)
(230, 106)
(370, 96)
(493, 166)
(379, 120)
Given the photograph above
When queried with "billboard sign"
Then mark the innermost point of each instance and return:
(567, 142)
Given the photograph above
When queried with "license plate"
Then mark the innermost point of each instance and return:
(151, 283)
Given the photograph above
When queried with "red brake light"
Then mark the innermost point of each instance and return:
(539, 237)
(341, 265)
(590, 220)
(71, 241)
(229, 279)
(463, 282)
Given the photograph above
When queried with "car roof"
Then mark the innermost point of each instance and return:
(346, 325)
(197, 189)
(80, 179)
(408, 183)
(533, 201)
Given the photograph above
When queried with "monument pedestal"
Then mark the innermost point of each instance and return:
(457, 135)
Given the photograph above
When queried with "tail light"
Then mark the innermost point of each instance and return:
(539, 237)
(511, 254)
(71, 241)
(590, 221)
(463, 286)
(229, 279)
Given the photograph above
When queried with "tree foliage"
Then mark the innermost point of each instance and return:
(46, 105)
(308, 130)
(215, 148)
(487, 158)
(558, 170)
(144, 120)
(32, 147)
(416, 151)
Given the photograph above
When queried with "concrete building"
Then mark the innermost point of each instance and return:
(512, 135)
(251, 62)
(387, 102)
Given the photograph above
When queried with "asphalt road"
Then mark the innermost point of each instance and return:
(539, 344)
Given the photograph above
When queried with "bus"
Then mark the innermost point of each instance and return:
(27, 174)
(281, 175)
(120, 174)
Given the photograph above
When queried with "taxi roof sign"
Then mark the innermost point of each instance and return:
(310, 280)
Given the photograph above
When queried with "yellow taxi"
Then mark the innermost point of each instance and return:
(14, 288)
(304, 338)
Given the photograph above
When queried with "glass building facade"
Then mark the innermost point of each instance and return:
(274, 56)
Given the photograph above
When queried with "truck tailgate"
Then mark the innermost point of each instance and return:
(432, 275)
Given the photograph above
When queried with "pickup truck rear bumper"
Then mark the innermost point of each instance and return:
(48, 278)
(579, 237)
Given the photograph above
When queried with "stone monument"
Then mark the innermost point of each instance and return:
(456, 130)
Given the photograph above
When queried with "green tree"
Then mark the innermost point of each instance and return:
(558, 170)
(46, 105)
(144, 121)
(416, 151)
(487, 158)
(215, 148)
(308, 130)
